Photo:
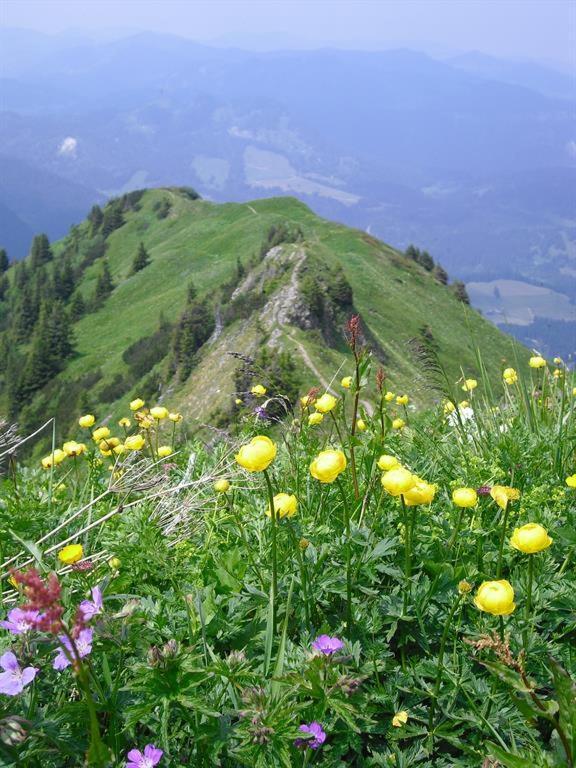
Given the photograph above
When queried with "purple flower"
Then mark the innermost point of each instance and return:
(317, 733)
(83, 645)
(261, 413)
(327, 645)
(147, 759)
(13, 679)
(20, 621)
(484, 490)
(90, 608)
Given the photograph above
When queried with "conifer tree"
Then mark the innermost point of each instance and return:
(40, 253)
(95, 217)
(104, 284)
(77, 307)
(440, 274)
(141, 260)
(4, 262)
(4, 285)
(25, 316)
(21, 276)
(460, 292)
(112, 219)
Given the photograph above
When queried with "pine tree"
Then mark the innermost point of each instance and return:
(95, 217)
(104, 284)
(425, 260)
(77, 307)
(141, 260)
(412, 253)
(25, 316)
(460, 292)
(40, 253)
(21, 276)
(4, 285)
(4, 262)
(60, 333)
(112, 219)
(440, 274)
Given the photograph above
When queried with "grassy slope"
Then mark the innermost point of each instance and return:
(201, 241)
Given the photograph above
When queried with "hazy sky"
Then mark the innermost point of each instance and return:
(544, 29)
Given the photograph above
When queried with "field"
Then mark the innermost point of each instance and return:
(361, 583)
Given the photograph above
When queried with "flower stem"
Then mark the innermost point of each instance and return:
(502, 540)
(528, 597)
(348, 555)
(274, 519)
(407, 553)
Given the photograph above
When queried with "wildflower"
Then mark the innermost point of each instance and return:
(484, 490)
(53, 459)
(464, 587)
(107, 446)
(285, 505)
(71, 554)
(147, 759)
(261, 413)
(135, 405)
(400, 719)
(502, 494)
(495, 597)
(402, 400)
(89, 608)
(361, 425)
(571, 481)
(114, 563)
(42, 596)
(465, 497)
(316, 732)
(14, 679)
(159, 412)
(175, 417)
(124, 422)
(238, 401)
(537, 361)
(144, 422)
(303, 544)
(398, 424)
(20, 621)
(164, 451)
(398, 481)
(257, 455)
(469, 385)
(510, 376)
(386, 462)
(72, 448)
(100, 434)
(530, 538)
(421, 493)
(326, 403)
(574, 391)
(448, 407)
(134, 443)
(258, 390)
(328, 465)
(86, 421)
(327, 645)
(389, 396)
(346, 382)
(222, 485)
(65, 654)
(307, 400)
(315, 418)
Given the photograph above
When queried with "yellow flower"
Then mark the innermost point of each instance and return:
(53, 459)
(119, 449)
(175, 417)
(574, 391)
(530, 538)
(361, 425)
(114, 563)
(86, 421)
(159, 412)
(72, 448)
(145, 423)
(389, 396)
(107, 446)
(258, 390)
(421, 493)
(510, 376)
(164, 450)
(71, 554)
(400, 719)
(307, 400)
(222, 485)
(495, 597)
(238, 401)
(325, 403)
(398, 481)
(558, 361)
(464, 587)
(134, 443)
(502, 494)
(386, 462)
(469, 385)
(135, 405)
(398, 424)
(124, 422)
(328, 465)
(463, 404)
(346, 382)
(402, 399)
(100, 434)
(257, 455)
(315, 418)
(571, 481)
(285, 505)
(449, 407)
(537, 361)
(13, 582)
(465, 497)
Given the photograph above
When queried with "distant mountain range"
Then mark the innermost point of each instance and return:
(472, 158)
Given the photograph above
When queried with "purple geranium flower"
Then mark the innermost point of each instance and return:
(317, 733)
(90, 608)
(147, 759)
(83, 645)
(327, 645)
(20, 621)
(13, 679)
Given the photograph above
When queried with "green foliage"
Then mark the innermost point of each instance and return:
(4, 261)
(145, 353)
(104, 285)
(460, 292)
(192, 330)
(141, 259)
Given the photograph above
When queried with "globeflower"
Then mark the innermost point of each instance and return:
(469, 385)
(53, 459)
(421, 493)
(14, 679)
(398, 481)
(530, 538)
(175, 417)
(318, 736)
(108, 445)
(361, 425)
(386, 462)
(258, 390)
(389, 396)
(222, 485)
(400, 719)
(510, 376)
(134, 442)
(502, 494)
(402, 400)
(328, 465)
(285, 505)
(147, 759)
(135, 405)
(71, 554)
(449, 407)
(465, 497)
(159, 412)
(346, 382)
(571, 481)
(124, 422)
(537, 361)
(326, 403)
(315, 418)
(86, 421)
(495, 597)
(257, 455)
(164, 451)
(398, 424)
(100, 434)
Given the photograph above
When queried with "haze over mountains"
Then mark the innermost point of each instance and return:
(472, 158)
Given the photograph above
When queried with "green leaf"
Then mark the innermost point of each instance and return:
(507, 675)
(508, 759)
